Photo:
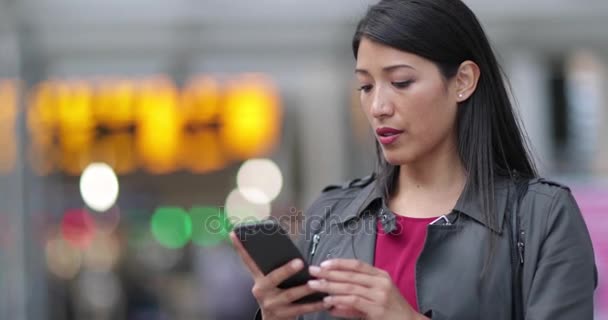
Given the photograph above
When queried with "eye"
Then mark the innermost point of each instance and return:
(365, 88)
(402, 84)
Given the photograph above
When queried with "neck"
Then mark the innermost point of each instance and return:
(431, 186)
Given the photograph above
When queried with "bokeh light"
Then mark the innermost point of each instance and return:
(159, 125)
(99, 186)
(62, 259)
(171, 227)
(201, 152)
(72, 101)
(239, 209)
(250, 117)
(103, 253)
(117, 150)
(113, 102)
(260, 180)
(210, 226)
(200, 100)
(77, 228)
(99, 290)
(8, 115)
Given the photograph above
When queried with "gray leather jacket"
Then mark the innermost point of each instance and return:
(558, 274)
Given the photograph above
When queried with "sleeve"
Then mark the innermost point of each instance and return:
(565, 275)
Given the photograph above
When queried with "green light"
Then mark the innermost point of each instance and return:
(171, 227)
(210, 226)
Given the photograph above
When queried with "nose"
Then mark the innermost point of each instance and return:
(381, 106)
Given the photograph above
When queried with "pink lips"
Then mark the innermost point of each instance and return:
(387, 135)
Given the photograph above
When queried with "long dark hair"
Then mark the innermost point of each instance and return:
(490, 141)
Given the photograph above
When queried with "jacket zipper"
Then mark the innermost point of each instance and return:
(315, 242)
(520, 247)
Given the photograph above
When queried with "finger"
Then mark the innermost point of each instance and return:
(290, 295)
(277, 276)
(350, 265)
(341, 288)
(249, 263)
(343, 276)
(357, 303)
(296, 310)
(340, 311)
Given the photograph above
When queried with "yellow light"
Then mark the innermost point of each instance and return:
(113, 103)
(76, 125)
(75, 152)
(250, 118)
(8, 115)
(117, 150)
(159, 127)
(42, 108)
(75, 149)
(200, 100)
(201, 152)
(74, 107)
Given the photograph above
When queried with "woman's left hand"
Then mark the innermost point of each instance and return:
(359, 290)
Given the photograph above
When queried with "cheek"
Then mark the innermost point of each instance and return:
(431, 117)
(432, 111)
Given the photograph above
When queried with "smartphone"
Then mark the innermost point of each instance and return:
(270, 247)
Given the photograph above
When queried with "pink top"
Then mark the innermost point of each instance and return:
(397, 253)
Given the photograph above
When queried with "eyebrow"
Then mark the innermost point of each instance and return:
(387, 69)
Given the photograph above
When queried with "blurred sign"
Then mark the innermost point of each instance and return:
(150, 123)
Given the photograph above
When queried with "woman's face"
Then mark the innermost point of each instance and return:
(409, 105)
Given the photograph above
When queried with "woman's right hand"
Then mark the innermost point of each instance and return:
(276, 303)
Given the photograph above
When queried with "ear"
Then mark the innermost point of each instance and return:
(466, 80)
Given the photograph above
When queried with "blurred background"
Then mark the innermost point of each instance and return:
(133, 133)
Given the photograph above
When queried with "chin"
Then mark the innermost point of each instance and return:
(397, 158)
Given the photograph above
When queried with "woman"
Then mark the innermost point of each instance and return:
(454, 224)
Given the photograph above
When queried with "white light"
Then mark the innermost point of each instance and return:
(99, 186)
(259, 180)
(240, 209)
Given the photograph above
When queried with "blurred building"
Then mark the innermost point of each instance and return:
(78, 77)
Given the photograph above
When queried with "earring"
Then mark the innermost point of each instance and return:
(460, 95)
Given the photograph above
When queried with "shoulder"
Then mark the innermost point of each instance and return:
(547, 188)
(551, 197)
(350, 186)
(548, 195)
(553, 204)
(343, 193)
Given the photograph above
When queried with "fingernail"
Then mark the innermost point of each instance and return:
(296, 264)
(327, 299)
(314, 269)
(314, 283)
(326, 264)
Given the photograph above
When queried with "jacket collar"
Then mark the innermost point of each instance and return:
(369, 200)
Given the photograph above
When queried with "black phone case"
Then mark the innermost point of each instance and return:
(270, 247)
